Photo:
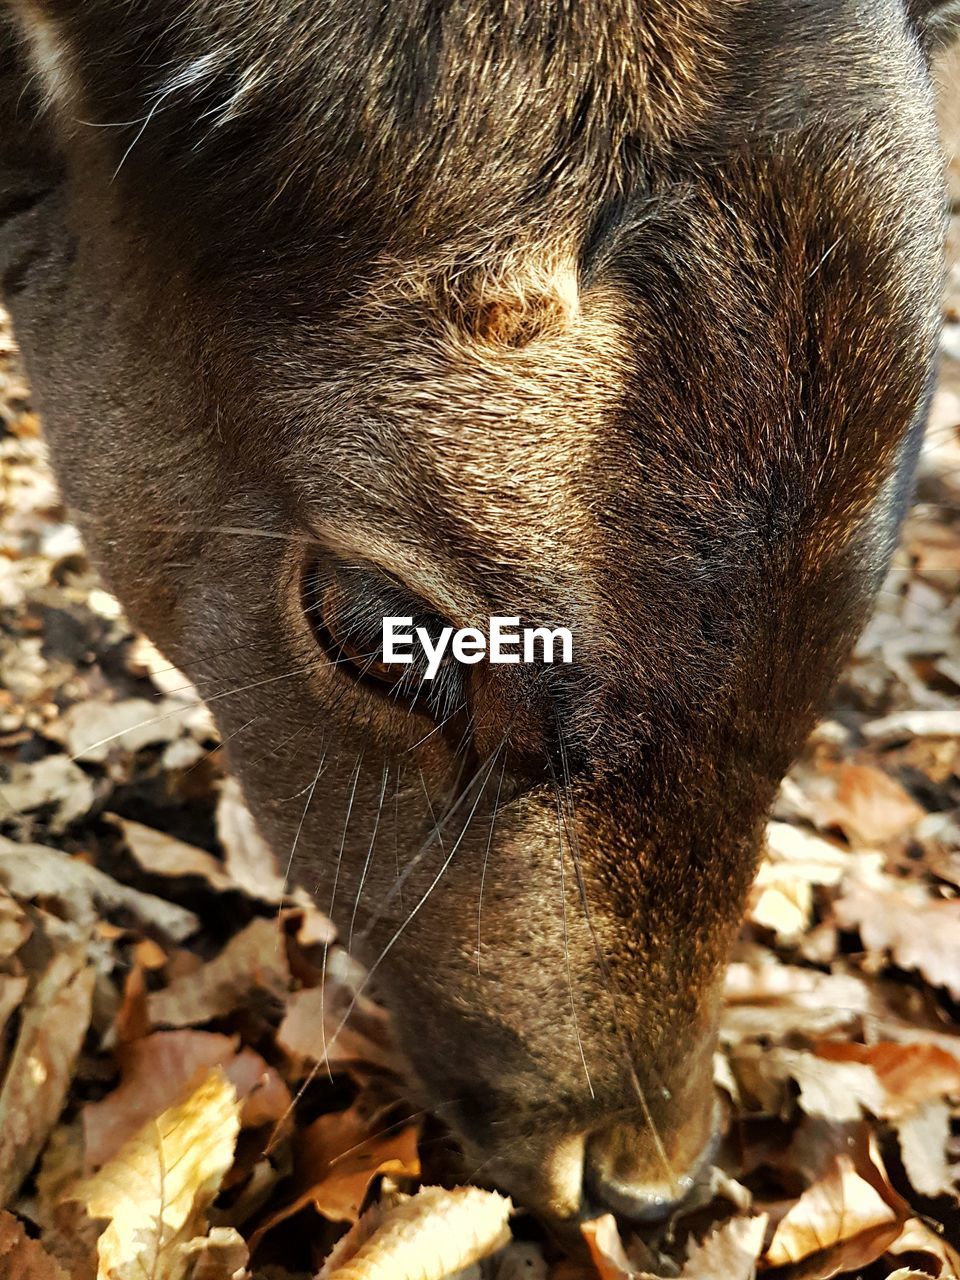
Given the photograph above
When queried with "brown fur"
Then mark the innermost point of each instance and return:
(617, 316)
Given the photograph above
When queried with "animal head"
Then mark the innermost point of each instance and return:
(617, 317)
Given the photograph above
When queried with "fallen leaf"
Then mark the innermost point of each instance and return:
(52, 1027)
(904, 725)
(428, 1236)
(156, 1189)
(729, 1252)
(838, 1208)
(313, 1028)
(31, 872)
(12, 991)
(15, 928)
(917, 1237)
(22, 1258)
(248, 858)
(338, 1156)
(923, 1138)
(253, 959)
(96, 729)
(869, 806)
(164, 855)
(909, 1074)
(155, 1073)
(606, 1248)
(919, 931)
(221, 1255)
(53, 781)
(777, 1001)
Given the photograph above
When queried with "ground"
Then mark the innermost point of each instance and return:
(163, 1108)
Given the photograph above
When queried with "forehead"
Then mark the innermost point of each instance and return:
(732, 363)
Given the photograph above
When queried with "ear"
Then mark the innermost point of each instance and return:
(937, 21)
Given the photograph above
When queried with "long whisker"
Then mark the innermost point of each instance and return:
(486, 856)
(411, 916)
(369, 857)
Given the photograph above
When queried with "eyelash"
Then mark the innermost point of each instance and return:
(341, 603)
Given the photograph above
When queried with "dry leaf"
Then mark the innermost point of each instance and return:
(164, 855)
(221, 1255)
(778, 1001)
(83, 894)
(909, 1074)
(249, 860)
(95, 730)
(15, 928)
(869, 806)
(155, 1190)
(920, 932)
(606, 1248)
(253, 959)
(913, 724)
(54, 1022)
(12, 991)
(839, 1207)
(66, 1229)
(430, 1235)
(53, 781)
(22, 1258)
(730, 1252)
(156, 1072)
(313, 1028)
(916, 1237)
(338, 1156)
(923, 1140)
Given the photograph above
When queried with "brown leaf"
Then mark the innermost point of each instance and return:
(83, 894)
(917, 1237)
(12, 991)
(163, 855)
(68, 1232)
(869, 806)
(157, 1071)
(22, 1258)
(15, 928)
(313, 1028)
(336, 1159)
(253, 959)
(841, 1206)
(921, 932)
(54, 1023)
(910, 1074)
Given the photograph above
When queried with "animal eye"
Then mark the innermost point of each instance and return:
(346, 605)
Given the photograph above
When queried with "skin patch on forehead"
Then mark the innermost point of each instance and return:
(504, 375)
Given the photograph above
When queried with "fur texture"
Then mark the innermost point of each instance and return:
(614, 315)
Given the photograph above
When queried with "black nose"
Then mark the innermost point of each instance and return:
(606, 1194)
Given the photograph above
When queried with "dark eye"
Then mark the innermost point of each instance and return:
(346, 605)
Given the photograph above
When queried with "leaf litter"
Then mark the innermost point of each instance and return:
(162, 1108)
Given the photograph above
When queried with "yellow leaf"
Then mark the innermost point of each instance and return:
(155, 1190)
(427, 1237)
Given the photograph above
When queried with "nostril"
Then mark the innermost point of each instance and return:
(606, 1194)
